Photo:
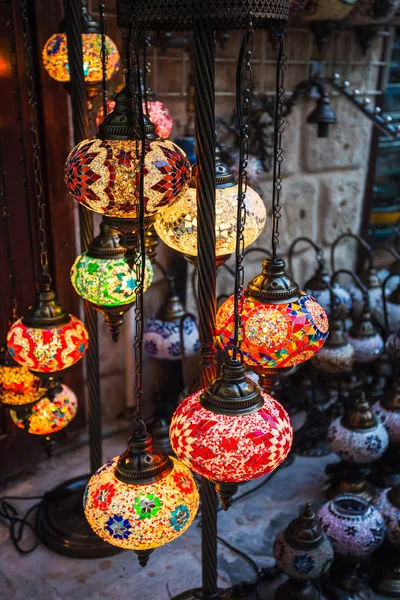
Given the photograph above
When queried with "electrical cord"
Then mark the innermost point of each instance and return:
(17, 524)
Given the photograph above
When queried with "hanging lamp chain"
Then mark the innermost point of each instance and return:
(104, 55)
(146, 72)
(37, 158)
(280, 99)
(244, 79)
(6, 216)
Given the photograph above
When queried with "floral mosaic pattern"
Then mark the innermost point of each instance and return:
(140, 517)
(106, 281)
(354, 527)
(18, 386)
(391, 516)
(161, 339)
(231, 448)
(335, 360)
(358, 447)
(49, 416)
(48, 350)
(390, 419)
(177, 225)
(275, 335)
(158, 113)
(300, 563)
(55, 57)
(104, 175)
(323, 297)
(367, 349)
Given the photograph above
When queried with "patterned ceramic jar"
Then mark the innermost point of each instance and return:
(388, 504)
(358, 437)
(302, 550)
(372, 12)
(354, 527)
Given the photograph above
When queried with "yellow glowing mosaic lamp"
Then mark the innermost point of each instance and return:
(103, 277)
(282, 326)
(177, 225)
(102, 173)
(142, 499)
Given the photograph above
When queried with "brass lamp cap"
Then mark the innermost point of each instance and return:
(171, 310)
(122, 122)
(224, 177)
(370, 279)
(140, 463)
(273, 285)
(364, 328)
(319, 279)
(106, 244)
(359, 416)
(232, 392)
(46, 311)
(304, 532)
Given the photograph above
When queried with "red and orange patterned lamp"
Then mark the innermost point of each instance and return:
(231, 432)
(282, 326)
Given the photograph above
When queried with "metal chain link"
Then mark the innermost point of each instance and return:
(146, 72)
(37, 159)
(104, 55)
(243, 78)
(12, 314)
(280, 99)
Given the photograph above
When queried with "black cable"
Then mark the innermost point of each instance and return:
(18, 524)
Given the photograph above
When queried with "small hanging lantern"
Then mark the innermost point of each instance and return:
(367, 342)
(304, 552)
(177, 225)
(359, 439)
(231, 432)
(142, 499)
(47, 339)
(103, 277)
(338, 354)
(371, 281)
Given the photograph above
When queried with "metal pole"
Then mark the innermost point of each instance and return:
(204, 92)
(73, 28)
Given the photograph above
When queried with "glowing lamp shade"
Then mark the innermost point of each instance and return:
(107, 282)
(275, 335)
(177, 225)
(102, 175)
(158, 113)
(231, 448)
(18, 386)
(47, 349)
(55, 57)
(140, 516)
(50, 415)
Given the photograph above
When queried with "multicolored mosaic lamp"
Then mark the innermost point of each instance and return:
(177, 225)
(159, 115)
(142, 499)
(49, 415)
(103, 277)
(47, 339)
(282, 326)
(231, 432)
(103, 173)
(304, 552)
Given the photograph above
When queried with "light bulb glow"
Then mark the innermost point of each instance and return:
(231, 448)
(275, 335)
(107, 282)
(49, 416)
(47, 350)
(19, 386)
(103, 175)
(177, 225)
(158, 113)
(55, 57)
(140, 517)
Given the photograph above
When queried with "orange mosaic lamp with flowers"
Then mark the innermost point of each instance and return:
(18, 386)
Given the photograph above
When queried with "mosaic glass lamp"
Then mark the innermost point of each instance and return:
(231, 432)
(317, 287)
(18, 386)
(388, 504)
(337, 356)
(359, 439)
(162, 333)
(367, 342)
(304, 552)
(388, 411)
(47, 339)
(102, 173)
(282, 326)
(49, 415)
(371, 281)
(159, 115)
(103, 277)
(177, 225)
(142, 499)
(355, 529)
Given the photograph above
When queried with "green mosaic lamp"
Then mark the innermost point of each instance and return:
(103, 277)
